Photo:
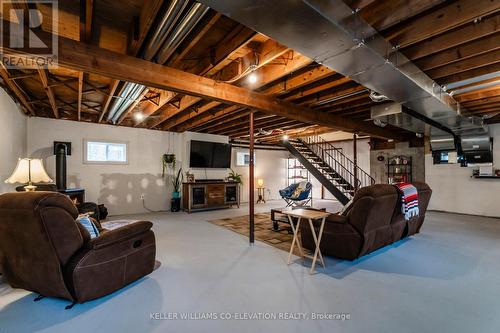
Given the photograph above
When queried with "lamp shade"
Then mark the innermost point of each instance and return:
(29, 170)
(260, 182)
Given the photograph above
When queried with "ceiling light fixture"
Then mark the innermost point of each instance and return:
(285, 137)
(252, 78)
(139, 116)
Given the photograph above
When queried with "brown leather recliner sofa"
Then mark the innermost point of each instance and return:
(373, 221)
(43, 249)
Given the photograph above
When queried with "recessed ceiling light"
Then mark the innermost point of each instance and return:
(252, 78)
(285, 137)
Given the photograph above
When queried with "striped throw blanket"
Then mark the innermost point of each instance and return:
(409, 200)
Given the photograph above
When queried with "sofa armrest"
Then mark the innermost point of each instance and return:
(110, 237)
(337, 218)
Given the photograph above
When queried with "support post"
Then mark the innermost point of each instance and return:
(355, 159)
(251, 201)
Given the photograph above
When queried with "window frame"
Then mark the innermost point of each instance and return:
(85, 150)
(245, 153)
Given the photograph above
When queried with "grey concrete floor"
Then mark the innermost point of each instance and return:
(446, 279)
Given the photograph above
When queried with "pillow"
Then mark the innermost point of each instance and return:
(85, 221)
(303, 184)
(296, 193)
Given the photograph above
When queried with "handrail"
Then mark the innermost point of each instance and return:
(339, 162)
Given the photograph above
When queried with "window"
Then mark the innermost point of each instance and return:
(243, 159)
(103, 152)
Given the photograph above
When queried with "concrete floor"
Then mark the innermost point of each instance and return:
(447, 279)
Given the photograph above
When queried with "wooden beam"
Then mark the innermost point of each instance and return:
(23, 76)
(234, 123)
(225, 51)
(478, 95)
(44, 79)
(262, 55)
(225, 119)
(482, 101)
(300, 132)
(273, 73)
(327, 107)
(384, 14)
(86, 9)
(298, 81)
(439, 21)
(465, 65)
(271, 122)
(205, 117)
(462, 52)
(454, 38)
(334, 95)
(469, 74)
(11, 84)
(477, 83)
(80, 88)
(483, 90)
(267, 52)
(108, 99)
(201, 118)
(223, 54)
(169, 111)
(92, 59)
(178, 58)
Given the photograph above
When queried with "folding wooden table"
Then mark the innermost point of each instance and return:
(309, 215)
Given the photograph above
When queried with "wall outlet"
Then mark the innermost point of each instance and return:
(142, 196)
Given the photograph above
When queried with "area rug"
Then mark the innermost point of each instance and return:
(281, 239)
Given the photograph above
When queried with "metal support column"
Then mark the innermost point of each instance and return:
(355, 160)
(251, 199)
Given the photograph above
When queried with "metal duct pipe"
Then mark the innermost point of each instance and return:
(159, 36)
(181, 31)
(164, 28)
(61, 177)
(125, 91)
(376, 97)
(334, 35)
(134, 91)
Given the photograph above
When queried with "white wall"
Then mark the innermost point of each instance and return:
(455, 191)
(13, 126)
(119, 187)
(270, 165)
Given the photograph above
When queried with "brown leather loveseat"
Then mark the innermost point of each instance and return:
(374, 220)
(44, 250)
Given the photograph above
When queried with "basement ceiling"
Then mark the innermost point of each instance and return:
(456, 43)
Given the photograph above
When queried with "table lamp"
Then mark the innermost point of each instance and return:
(28, 171)
(260, 182)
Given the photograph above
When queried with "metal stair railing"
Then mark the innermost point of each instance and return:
(339, 162)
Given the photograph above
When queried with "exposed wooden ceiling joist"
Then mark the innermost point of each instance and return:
(11, 84)
(439, 21)
(221, 55)
(80, 89)
(86, 16)
(44, 79)
(92, 59)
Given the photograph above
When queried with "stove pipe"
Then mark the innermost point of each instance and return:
(61, 152)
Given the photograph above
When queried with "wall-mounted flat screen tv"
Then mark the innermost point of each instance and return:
(210, 155)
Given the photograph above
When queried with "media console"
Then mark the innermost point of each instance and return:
(205, 194)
